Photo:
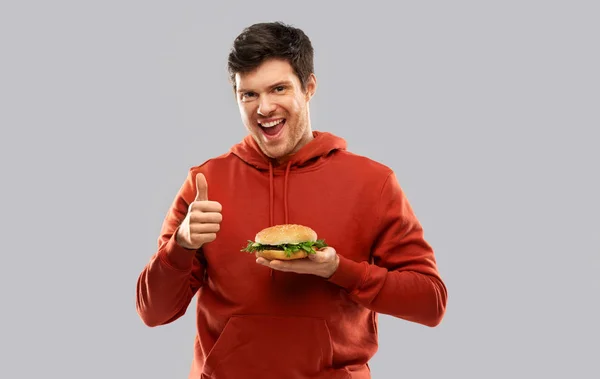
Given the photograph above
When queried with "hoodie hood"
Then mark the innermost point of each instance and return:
(322, 144)
(320, 147)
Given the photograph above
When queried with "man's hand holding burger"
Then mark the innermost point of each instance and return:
(202, 222)
(294, 248)
(324, 262)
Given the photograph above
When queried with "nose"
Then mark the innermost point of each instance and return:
(266, 106)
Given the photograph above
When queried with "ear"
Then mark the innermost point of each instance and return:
(311, 86)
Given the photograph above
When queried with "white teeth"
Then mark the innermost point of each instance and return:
(271, 124)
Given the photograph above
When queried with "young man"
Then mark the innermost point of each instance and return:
(314, 317)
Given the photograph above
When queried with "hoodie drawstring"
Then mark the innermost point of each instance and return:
(285, 196)
(285, 188)
(271, 217)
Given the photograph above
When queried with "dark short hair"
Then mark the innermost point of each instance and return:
(266, 40)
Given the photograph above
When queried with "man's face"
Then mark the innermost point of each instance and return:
(274, 108)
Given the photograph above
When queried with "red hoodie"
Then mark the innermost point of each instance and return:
(254, 322)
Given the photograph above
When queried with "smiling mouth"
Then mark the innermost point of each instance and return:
(272, 128)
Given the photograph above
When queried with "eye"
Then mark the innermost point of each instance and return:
(279, 88)
(247, 95)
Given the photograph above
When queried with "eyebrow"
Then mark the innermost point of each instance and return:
(280, 83)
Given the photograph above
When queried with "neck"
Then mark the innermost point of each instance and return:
(285, 159)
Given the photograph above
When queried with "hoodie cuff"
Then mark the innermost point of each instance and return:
(349, 274)
(176, 256)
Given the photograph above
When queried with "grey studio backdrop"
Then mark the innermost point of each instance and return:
(487, 111)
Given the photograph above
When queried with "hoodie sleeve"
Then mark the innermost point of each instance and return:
(402, 280)
(170, 279)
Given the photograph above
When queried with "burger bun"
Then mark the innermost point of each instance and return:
(284, 234)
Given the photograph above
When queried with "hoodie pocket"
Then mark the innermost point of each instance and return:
(272, 347)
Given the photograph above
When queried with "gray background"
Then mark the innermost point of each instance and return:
(488, 112)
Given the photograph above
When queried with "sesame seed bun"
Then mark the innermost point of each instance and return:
(287, 233)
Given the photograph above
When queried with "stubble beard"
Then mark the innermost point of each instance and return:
(296, 140)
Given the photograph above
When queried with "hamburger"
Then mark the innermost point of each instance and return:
(285, 242)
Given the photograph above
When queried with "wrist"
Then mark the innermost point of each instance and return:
(334, 266)
(180, 240)
(176, 255)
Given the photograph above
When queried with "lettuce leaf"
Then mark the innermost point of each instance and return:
(307, 246)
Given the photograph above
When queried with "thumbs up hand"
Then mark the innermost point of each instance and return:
(202, 221)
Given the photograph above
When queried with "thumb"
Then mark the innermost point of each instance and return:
(201, 188)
